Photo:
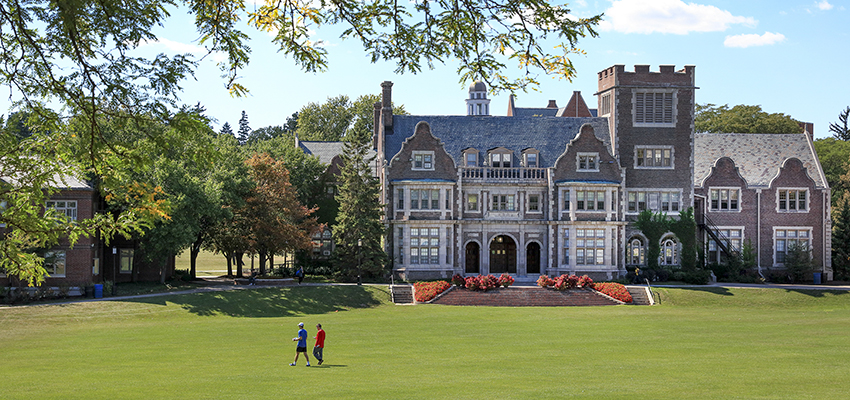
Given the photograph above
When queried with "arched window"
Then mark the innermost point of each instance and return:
(669, 252)
(636, 252)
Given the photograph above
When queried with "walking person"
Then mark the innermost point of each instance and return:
(301, 347)
(300, 274)
(320, 344)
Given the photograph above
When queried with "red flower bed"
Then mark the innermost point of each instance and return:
(506, 280)
(544, 281)
(482, 282)
(426, 291)
(614, 290)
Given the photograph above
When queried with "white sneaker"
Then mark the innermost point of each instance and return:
(291, 364)
(308, 364)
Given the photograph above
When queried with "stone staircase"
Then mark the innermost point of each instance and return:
(523, 297)
(402, 294)
(640, 296)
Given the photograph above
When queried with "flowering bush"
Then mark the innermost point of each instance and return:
(458, 280)
(481, 282)
(585, 281)
(566, 282)
(506, 280)
(544, 281)
(426, 291)
(614, 290)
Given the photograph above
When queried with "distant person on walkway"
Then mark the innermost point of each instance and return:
(252, 278)
(300, 274)
(320, 344)
(301, 347)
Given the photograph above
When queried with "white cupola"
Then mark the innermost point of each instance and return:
(478, 103)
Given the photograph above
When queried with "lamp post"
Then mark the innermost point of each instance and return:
(114, 271)
(359, 260)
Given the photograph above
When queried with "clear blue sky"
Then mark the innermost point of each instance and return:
(787, 56)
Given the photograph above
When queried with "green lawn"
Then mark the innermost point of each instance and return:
(698, 344)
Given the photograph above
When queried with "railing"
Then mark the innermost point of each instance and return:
(491, 173)
(723, 242)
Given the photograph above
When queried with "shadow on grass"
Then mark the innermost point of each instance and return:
(277, 302)
(808, 292)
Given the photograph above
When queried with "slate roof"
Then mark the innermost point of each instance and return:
(326, 151)
(535, 112)
(758, 156)
(58, 181)
(549, 135)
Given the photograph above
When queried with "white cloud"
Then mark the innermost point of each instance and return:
(183, 48)
(668, 16)
(744, 41)
(824, 5)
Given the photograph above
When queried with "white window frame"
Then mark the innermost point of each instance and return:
(585, 206)
(125, 260)
(636, 249)
(565, 246)
(720, 191)
(665, 119)
(505, 200)
(67, 207)
(654, 150)
(433, 204)
(605, 105)
(734, 234)
(423, 164)
(51, 267)
(399, 201)
(590, 239)
(417, 248)
(787, 191)
(526, 158)
(669, 254)
(660, 195)
(477, 202)
(781, 234)
(539, 209)
(503, 158)
(587, 159)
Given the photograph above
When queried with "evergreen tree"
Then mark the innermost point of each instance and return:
(842, 131)
(358, 232)
(226, 129)
(841, 238)
(244, 130)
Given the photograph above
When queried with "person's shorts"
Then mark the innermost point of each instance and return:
(300, 349)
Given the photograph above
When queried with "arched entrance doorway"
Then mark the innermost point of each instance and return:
(532, 258)
(502, 255)
(473, 252)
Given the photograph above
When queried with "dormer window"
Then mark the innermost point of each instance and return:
(498, 160)
(423, 160)
(530, 158)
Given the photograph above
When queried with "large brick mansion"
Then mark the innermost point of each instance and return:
(554, 190)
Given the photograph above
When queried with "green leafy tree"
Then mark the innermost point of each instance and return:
(276, 219)
(65, 60)
(834, 156)
(741, 119)
(358, 232)
(798, 261)
(338, 117)
(653, 226)
(841, 238)
(839, 129)
(685, 229)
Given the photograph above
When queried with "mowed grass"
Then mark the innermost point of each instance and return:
(698, 344)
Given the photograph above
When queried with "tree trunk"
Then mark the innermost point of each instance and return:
(271, 263)
(262, 260)
(238, 257)
(229, 258)
(194, 250)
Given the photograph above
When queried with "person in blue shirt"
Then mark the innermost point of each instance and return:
(301, 347)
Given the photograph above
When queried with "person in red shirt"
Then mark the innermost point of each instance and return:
(320, 344)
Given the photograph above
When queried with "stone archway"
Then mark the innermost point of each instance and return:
(473, 255)
(502, 255)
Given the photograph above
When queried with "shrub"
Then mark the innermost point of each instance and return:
(566, 282)
(614, 290)
(662, 275)
(697, 277)
(585, 281)
(678, 276)
(545, 281)
(458, 280)
(481, 282)
(506, 280)
(426, 291)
